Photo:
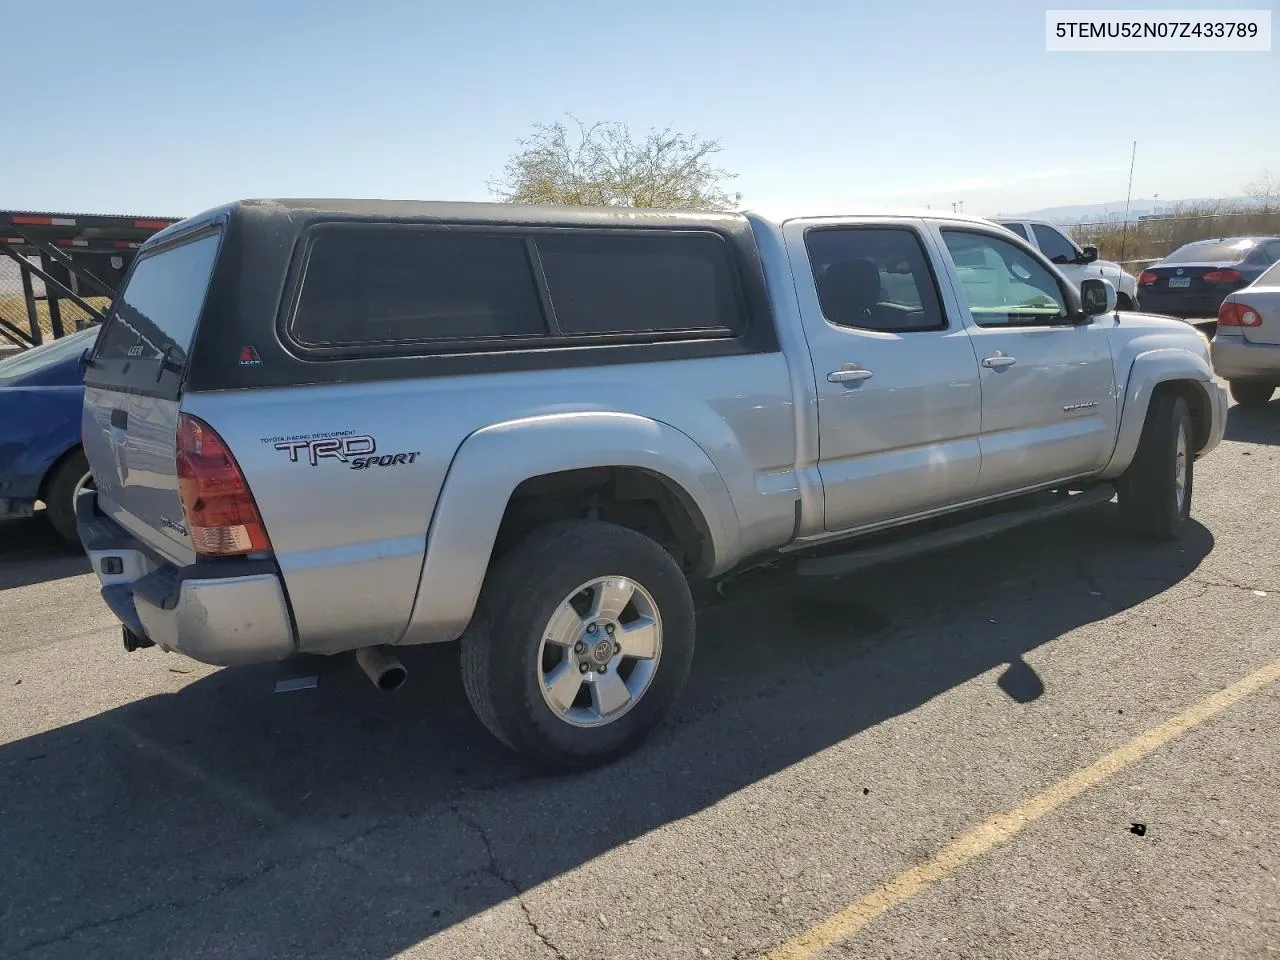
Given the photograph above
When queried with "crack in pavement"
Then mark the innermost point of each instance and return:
(1227, 581)
(226, 886)
(496, 872)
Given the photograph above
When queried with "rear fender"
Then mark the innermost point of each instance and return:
(493, 461)
(1149, 370)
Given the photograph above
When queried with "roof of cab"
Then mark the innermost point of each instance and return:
(779, 217)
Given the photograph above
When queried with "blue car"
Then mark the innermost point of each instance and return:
(41, 394)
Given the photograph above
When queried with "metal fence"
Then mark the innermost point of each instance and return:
(25, 294)
(1143, 241)
(59, 271)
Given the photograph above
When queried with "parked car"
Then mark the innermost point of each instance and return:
(1246, 344)
(1074, 262)
(1193, 281)
(323, 426)
(41, 392)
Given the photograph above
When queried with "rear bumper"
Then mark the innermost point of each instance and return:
(221, 612)
(1235, 358)
(1187, 306)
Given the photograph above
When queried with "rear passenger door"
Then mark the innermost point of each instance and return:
(897, 380)
(1048, 387)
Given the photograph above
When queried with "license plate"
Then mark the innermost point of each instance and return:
(1176, 282)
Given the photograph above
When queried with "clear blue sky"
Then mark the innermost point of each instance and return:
(169, 108)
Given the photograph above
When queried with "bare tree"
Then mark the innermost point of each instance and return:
(603, 164)
(1265, 190)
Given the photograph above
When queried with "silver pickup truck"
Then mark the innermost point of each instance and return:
(319, 426)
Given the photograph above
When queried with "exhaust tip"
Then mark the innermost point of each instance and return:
(393, 679)
(134, 641)
(382, 667)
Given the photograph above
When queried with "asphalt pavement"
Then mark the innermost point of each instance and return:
(967, 755)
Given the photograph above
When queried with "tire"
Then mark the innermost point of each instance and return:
(1123, 302)
(67, 479)
(1250, 393)
(1152, 504)
(508, 657)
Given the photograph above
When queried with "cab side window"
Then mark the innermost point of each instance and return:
(1017, 228)
(1003, 284)
(1053, 244)
(874, 278)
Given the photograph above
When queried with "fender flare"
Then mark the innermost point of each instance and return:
(1150, 369)
(491, 462)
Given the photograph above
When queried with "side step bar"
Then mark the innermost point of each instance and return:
(842, 564)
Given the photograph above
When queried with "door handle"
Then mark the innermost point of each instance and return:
(849, 375)
(998, 361)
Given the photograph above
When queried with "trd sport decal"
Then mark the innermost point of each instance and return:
(358, 452)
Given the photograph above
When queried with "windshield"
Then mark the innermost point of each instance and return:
(1212, 251)
(47, 355)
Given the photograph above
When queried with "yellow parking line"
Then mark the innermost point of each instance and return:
(1002, 826)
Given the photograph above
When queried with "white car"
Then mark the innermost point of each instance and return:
(1076, 263)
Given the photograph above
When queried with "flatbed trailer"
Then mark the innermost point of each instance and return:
(59, 271)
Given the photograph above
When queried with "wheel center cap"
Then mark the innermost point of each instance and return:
(602, 652)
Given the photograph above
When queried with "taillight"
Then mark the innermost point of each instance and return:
(1148, 278)
(1238, 315)
(1223, 276)
(221, 516)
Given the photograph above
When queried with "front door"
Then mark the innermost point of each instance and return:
(899, 403)
(1048, 388)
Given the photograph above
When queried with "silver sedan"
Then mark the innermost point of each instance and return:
(1246, 345)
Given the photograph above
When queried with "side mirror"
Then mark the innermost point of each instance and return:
(1097, 296)
(1089, 255)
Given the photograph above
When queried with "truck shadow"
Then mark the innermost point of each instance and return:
(370, 822)
(1254, 425)
(31, 552)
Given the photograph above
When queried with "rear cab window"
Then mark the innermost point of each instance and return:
(145, 341)
(374, 288)
(1017, 228)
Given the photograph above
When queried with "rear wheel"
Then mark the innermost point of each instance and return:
(1155, 492)
(1250, 393)
(69, 478)
(582, 639)
(1123, 302)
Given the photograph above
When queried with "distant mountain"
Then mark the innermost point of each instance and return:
(1112, 210)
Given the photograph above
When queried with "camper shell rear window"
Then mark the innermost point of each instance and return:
(148, 334)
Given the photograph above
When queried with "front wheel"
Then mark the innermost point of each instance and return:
(582, 640)
(1124, 302)
(1155, 492)
(1250, 393)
